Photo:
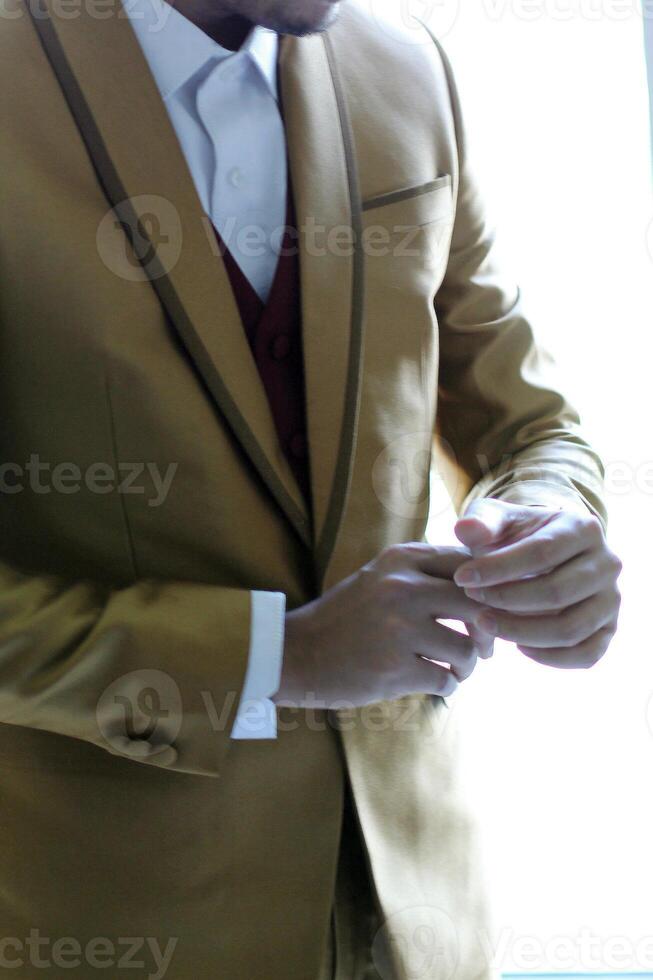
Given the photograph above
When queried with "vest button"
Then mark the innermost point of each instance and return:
(280, 347)
(297, 445)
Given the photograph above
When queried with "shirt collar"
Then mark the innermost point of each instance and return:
(176, 49)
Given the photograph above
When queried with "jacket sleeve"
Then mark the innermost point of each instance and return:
(505, 429)
(152, 672)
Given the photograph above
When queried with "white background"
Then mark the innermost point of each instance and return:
(560, 764)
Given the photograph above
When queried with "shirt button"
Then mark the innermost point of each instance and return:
(298, 446)
(236, 177)
(280, 347)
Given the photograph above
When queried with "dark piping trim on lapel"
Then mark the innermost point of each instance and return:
(117, 198)
(347, 448)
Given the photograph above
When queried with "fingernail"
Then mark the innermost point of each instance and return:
(487, 622)
(467, 576)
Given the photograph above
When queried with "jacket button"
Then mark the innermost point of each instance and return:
(298, 446)
(280, 347)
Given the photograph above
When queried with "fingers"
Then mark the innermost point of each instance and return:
(447, 646)
(568, 628)
(560, 540)
(442, 599)
(585, 654)
(484, 642)
(438, 598)
(475, 533)
(490, 523)
(426, 677)
(440, 562)
(566, 585)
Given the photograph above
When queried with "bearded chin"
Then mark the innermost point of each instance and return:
(282, 21)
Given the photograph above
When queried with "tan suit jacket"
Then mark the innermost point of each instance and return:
(113, 605)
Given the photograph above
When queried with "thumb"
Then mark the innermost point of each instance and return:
(484, 523)
(489, 522)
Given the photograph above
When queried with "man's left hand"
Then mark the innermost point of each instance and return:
(547, 578)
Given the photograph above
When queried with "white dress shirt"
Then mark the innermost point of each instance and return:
(224, 109)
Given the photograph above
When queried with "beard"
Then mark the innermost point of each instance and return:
(297, 17)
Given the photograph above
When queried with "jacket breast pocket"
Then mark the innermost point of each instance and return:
(407, 232)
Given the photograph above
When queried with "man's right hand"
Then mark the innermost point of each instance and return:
(366, 638)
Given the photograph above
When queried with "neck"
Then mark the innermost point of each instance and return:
(227, 29)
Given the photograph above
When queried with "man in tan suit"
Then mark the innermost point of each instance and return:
(137, 833)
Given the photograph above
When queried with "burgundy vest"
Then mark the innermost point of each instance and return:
(274, 332)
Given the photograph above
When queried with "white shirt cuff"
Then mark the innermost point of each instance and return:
(257, 714)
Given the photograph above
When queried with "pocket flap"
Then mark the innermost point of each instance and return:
(411, 206)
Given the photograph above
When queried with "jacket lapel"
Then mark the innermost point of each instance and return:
(135, 152)
(327, 202)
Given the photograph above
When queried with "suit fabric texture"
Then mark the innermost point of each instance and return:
(124, 354)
